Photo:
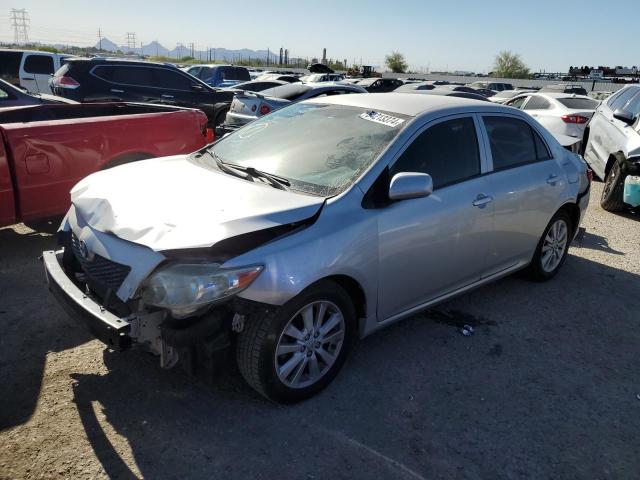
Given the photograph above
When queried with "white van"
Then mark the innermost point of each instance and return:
(30, 69)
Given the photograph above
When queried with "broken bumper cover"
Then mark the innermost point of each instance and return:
(105, 326)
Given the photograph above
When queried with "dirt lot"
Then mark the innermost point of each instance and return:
(547, 387)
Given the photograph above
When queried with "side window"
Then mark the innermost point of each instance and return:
(514, 142)
(537, 103)
(3, 95)
(139, 76)
(448, 152)
(166, 78)
(39, 64)
(622, 98)
(517, 102)
(633, 105)
(195, 71)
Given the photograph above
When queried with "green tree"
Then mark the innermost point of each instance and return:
(396, 62)
(509, 65)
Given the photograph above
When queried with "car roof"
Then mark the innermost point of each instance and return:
(408, 104)
(107, 60)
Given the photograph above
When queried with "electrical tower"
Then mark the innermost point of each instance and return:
(131, 41)
(20, 23)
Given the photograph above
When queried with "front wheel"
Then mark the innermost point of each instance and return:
(552, 248)
(292, 352)
(613, 190)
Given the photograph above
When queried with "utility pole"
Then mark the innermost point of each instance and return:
(20, 23)
(191, 47)
(99, 39)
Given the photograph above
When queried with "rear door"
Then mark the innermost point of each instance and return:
(545, 113)
(177, 88)
(36, 72)
(130, 83)
(525, 183)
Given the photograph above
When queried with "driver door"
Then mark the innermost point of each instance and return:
(432, 246)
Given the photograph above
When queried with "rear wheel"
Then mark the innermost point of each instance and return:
(552, 248)
(291, 353)
(612, 192)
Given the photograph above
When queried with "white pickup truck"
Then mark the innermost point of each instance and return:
(30, 69)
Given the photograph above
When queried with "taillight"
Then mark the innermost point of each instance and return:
(264, 109)
(210, 134)
(574, 119)
(65, 82)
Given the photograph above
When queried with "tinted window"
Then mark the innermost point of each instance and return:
(447, 151)
(579, 103)
(173, 80)
(141, 76)
(537, 103)
(513, 142)
(38, 64)
(10, 63)
(3, 95)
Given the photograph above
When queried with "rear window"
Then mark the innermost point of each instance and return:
(234, 73)
(288, 92)
(10, 64)
(579, 103)
(39, 64)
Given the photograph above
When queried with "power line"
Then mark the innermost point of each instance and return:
(131, 40)
(20, 23)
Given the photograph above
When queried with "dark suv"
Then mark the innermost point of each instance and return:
(106, 79)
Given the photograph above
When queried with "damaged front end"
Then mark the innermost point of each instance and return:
(180, 304)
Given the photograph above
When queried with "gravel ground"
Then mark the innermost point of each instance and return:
(547, 387)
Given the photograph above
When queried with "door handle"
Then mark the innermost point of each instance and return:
(115, 90)
(481, 200)
(167, 96)
(28, 78)
(552, 179)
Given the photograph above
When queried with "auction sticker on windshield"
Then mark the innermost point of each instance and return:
(384, 119)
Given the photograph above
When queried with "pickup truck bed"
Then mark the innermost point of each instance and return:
(46, 149)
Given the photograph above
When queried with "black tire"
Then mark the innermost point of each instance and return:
(536, 269)
(221, 116)
(613, 189)
(256, 345)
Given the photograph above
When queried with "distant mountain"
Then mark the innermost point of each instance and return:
(219, 54)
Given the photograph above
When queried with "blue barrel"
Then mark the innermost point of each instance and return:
(632, 191)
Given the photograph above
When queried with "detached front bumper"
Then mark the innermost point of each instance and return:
(105, 326)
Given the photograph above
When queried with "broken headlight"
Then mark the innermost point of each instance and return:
(185, 288)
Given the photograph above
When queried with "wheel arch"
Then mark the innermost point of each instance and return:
(355, 291)
(617, 156)
(573, 210)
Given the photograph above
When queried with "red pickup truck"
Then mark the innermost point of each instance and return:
(46, 149)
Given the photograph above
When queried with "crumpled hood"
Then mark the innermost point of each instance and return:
(171, 203)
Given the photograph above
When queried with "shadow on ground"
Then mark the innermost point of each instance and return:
(546, 387)
(28, 331)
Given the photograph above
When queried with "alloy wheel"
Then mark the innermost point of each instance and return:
(555, 243)
(310, 344)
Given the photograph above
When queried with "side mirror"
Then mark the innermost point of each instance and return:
(407, 185)
(624, 116)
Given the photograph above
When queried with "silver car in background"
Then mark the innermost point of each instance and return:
(314, 226)
(246, 107)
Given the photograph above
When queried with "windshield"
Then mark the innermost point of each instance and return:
(319, 149)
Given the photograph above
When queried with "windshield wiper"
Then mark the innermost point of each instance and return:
(249, 172)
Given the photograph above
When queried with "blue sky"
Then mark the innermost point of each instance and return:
(458, 34)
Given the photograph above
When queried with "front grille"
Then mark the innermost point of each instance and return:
(100, 270)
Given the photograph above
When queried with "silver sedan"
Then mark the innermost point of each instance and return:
(364, 210)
